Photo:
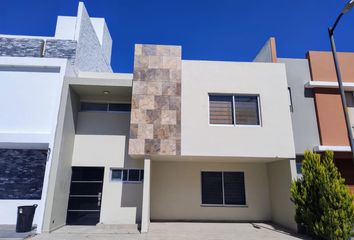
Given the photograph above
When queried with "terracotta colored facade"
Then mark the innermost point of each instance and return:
(330, 115)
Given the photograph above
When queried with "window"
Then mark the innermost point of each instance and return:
(85, 106)
(119, 107)
(105, 107)
(246, 110)
(290, 100)
(117, 174)
(349, 99)
(133, 175)
(221, 109)
(127, 175)
(299, 165)
(223, 188)
(234, 109)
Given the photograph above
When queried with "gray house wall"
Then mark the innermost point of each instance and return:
(303, 116)
(89, 54)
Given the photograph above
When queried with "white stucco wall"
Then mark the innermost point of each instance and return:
(29, 97)
(101, 140)
(281, 173)
(274, 138)
(176, 192)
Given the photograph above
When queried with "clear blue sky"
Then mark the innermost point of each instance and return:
(229, 30)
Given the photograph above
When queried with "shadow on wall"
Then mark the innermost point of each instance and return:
(308, 93)
(103, 123)
(132, 198)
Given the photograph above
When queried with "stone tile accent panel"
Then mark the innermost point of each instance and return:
(22, 173)
(156, 101)
(60, 49)
(21, 47)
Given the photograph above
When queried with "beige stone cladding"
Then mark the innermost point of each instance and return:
(156, 101)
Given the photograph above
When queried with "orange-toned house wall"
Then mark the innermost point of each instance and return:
(322, 66)
(330, 115)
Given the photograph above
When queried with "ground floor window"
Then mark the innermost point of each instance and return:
(223, 188)
(299, 160)
(127, 175)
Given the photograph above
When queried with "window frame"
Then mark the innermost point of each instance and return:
(141, 175)
(291, 105)
(223, 192)
(234, 124)
(107, 106)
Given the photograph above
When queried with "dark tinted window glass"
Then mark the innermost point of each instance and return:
(85, 188)
(299, 160)
(220, 109)
(133, 175)
(246, 110)
(234, 188)
(349, 99)
(125, 175)
(83, 203)
(87, 174)
(85, 106)
(141, 175)
(118, 107)
(212, 188)
(117, 174)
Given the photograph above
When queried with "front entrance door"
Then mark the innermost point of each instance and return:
(85, 196)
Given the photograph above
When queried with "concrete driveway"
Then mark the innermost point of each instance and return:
(174, 231)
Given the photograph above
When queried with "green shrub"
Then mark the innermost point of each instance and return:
(323, 203)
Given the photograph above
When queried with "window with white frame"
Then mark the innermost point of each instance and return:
(127, 175)
(223, 188)
(234, 109)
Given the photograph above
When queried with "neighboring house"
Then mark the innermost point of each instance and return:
(316, 106)
(177, 140)
(32, 75)
(302, 101)
(330, 116)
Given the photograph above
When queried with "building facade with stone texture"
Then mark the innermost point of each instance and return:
(176, 140)
(214, 146)
(33, 71)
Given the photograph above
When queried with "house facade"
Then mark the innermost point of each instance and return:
(176, 140)
(33, 71)
(316, 106)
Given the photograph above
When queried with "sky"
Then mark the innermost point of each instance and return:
(223, 30)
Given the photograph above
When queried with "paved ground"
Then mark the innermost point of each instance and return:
(9, 232)
(174, 231)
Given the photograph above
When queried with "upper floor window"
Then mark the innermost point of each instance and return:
(234, 109)
(105, 107)
(349, 97)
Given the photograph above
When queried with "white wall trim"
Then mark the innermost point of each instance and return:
(325, 84)
(322, 148)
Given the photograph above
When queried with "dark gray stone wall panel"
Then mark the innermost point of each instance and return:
(60, 49)
(22, 173)
(21, 47)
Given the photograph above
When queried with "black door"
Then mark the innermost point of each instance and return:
(85, 196)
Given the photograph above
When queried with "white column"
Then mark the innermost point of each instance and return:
(145, 216)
